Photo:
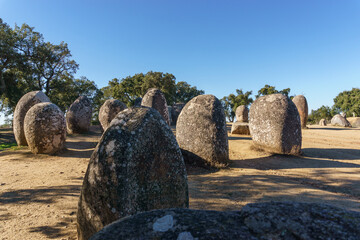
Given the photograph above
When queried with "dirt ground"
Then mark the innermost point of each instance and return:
(39, 193)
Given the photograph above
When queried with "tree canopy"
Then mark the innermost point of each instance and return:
(267, 89)
(231, 102)
(348, 102)
(130, 88)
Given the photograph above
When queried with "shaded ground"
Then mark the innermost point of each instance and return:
(39, 193)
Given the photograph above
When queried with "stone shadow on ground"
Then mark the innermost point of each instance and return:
(334, 128)
(332, 153)
(234, 137)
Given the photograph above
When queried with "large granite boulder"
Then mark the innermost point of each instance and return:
(78, 117)
(177, 108)
(109, 110)
(137, 166)
(201, 132)
(339, 120)
(354, 121)
(24, 104)
(269, 220)
(275, 125)
(242, 114)
(45, 128)
(322, 122)
(302, 107)
(154, 98)
(240, 128)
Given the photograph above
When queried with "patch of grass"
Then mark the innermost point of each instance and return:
(8, 145)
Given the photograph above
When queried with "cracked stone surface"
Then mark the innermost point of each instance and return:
(137, 166)
(45, 128)
(24, 104)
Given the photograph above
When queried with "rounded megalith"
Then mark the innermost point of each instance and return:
(78, 117)
(302, 107)
(24, 104)
(267, 220)
(137, 166)
(339, 120)
(322, 122)
(242, 113)
(201, 132)
(275, 125)
(154, 98)
(109, 110)
(45, 128)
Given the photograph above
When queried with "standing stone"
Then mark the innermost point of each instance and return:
(302, 107)
(322, 122)
(109, 110)
(339, 120)
(45, 128)
(275, 125)
(201, 132)
(154, 98)
(268, 220)
(240, 128)
(170, 110)
(177, 108)
(24, 104)
(78, 117)
(137, 166)
(137, 102)
(242, 113)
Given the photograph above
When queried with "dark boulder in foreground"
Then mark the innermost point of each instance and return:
(109, 110)
(24, 104)
(270, 220)
(201, 132)
(78, 117)
(154, 98)
(137, 166)
(45, 128)
(339, 120)
(275, 125)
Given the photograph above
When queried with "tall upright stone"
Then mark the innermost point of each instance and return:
(177, 108)
(302, 107)
(137, 166)
(275, 125)
(45, 128)
(154, 98)
(241, 126)
(242, 114)
(78, 117)
(201, 132)
(109, 110)
(24, 104)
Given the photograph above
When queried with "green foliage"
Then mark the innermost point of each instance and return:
(348, 102)
(231, 102)
(132, 87)
(267, 90)
(323, 112)
(7, 145)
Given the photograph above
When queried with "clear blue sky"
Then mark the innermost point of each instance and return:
(310, 46)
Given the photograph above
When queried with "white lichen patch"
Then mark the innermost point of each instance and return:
(185, 236)
(110, 148)
(163, 224)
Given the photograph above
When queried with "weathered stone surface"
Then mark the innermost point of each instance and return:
(154, 98)
(109, 110)
(45, 128)
(201, 132)
(339, 120)
(270, 220)
(322, 122)
(302, 107)
(177, 108)
(137, 102)
(240, 128)
(78, 117)
(242, 114)
(24, 104)
(275, 125)
(354, 121)
(137, 166)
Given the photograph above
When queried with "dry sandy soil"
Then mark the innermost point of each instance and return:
(39, 193)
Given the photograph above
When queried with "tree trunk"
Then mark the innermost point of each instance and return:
(2, 82)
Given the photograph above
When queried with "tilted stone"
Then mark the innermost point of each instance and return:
(201, 132)
(275, 125)
(45, 128)
(24, 104)
(137, 166)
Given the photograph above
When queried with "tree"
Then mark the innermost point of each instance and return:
(132, 87)
(231, 102)
(267, 89)
(348, 102)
